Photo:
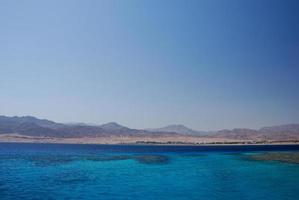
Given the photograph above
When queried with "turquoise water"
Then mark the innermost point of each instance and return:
(36, 171)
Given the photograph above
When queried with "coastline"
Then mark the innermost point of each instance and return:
(142, 141)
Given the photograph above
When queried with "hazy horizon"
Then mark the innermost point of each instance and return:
(145, 128)
(208, 65)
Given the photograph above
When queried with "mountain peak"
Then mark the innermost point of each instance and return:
(176, 128)
(113, 126)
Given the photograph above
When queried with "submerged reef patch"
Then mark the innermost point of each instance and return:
(54, 160)
(144, 159)
(107, 157)
(152, 159)
(49, 160)
(289, 157)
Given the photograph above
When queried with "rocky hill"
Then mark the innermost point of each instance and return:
(32, 126)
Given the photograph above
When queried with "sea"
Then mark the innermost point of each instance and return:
(145, 172)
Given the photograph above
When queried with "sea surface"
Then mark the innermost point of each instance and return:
(65, 171)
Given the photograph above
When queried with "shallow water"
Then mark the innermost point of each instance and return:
(50, 171)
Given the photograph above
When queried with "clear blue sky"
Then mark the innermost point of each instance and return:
(208, 64)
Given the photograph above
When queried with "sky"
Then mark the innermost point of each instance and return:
(207, 64)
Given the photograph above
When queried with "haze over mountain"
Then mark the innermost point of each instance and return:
(10, 121)
(32, 126)
(178, 128)
(277, 133)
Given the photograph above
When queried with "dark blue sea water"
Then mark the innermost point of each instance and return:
(52, 171)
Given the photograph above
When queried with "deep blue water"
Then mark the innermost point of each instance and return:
(52, 171)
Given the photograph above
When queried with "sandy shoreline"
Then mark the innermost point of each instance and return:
(139, 140)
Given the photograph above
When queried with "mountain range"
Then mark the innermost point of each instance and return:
(32, 126)
(178, 128)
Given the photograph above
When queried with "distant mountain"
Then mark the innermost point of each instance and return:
(81, 131)
(281, 132)
(287, 128)
(177, 128)
(29, 119)
(237, 134)
(277, 133)
(116, 129)
(113, 126)
(79, 124)
(33, 126)
(28, 125)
